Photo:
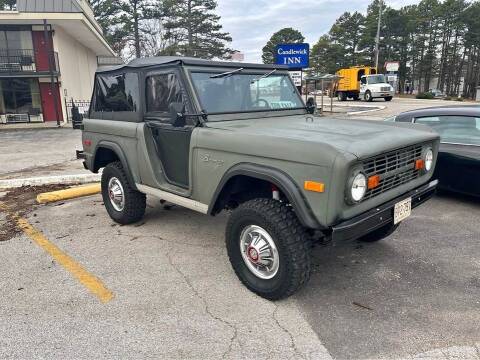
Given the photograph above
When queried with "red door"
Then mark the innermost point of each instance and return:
(42, 50)
(48, 102)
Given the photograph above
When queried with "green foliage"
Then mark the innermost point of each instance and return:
(162, 27)
(8, 4)
(283, 36)
(107, 13)
(425, 95)
(193, 29)
(434, 39)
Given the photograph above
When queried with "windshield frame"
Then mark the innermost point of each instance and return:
(244, 114)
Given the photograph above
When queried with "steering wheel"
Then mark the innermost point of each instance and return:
(257, 102)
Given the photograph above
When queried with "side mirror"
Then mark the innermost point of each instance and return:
(311, 105)
(177, 114)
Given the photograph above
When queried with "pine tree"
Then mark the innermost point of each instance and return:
(346, 32)
(134, 15)
(193, 29)
(283, 36)
(107, 13)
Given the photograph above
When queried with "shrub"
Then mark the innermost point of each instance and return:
(425, 95)
(459, 99)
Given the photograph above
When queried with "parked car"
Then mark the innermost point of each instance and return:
(206, 136)
(437, 94)
(458, 166)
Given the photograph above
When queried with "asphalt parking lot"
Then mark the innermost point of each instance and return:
(83, 287)
(175, 295)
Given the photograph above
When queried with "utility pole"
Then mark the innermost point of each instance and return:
(377, 39)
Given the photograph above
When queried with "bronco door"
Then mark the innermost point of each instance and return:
(172, 142)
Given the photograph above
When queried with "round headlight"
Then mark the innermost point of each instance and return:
(359, 187)
(428, 159)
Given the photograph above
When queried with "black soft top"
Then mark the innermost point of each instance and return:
(179, 60)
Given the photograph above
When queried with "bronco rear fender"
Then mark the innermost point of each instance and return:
(277, 177)
(117, 150)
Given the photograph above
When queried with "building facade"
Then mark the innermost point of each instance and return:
(49, 51)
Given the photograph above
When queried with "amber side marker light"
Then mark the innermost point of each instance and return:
(373, 182)
(314, 186)
(419, 164)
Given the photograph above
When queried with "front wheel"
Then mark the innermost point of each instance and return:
(368, 96)
(124, 204)
(388, 98)
(268, 248)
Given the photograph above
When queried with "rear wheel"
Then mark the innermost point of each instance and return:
(380, 233)
(268, 248)
(388, 98)
(368, 96)
(124, 204)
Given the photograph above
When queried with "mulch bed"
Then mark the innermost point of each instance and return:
(20, 201)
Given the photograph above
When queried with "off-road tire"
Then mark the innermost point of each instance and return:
(380, 233)
(388, 98)
(368, 96)
(135, 201)
(291, 240)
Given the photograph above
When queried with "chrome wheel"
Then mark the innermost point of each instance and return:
(116, 194)
(259, 252)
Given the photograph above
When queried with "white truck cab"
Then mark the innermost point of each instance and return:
(375, 86)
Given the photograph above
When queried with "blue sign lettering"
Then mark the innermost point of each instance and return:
(295, 56)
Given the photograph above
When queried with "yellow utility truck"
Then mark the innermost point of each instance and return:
(362, 82)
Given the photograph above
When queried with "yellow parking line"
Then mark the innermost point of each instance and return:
(92, 283)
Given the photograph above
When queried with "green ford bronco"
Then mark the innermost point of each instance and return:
(213, 136)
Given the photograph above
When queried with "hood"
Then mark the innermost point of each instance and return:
(362, 138)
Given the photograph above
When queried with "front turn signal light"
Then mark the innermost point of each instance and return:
(314, 186)
(419, 164)
(373, 182)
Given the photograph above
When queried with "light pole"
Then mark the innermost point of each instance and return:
(377, 39)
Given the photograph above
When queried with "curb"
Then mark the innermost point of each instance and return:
(47, 180)
(71, 193)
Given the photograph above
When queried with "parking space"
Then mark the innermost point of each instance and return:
(175, 295)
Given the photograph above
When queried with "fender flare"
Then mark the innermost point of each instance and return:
(120, 154)
(280, 179)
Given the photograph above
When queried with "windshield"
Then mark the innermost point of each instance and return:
(454, 129)
(376, 79)
(239, 92)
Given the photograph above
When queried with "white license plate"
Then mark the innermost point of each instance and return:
(402, 210)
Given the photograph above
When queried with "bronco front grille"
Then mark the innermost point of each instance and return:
(394, 168)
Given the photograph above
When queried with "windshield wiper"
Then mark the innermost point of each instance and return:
(228, 73)
(264, 75)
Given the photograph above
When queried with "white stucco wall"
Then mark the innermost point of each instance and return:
(77, 67)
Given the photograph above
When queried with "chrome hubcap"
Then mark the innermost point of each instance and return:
(116, 194)
(259, 252)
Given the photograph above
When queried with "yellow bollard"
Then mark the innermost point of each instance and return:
(70, 193)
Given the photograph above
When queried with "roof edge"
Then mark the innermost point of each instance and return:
(170, 60)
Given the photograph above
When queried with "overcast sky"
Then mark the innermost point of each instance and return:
(252, 22)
